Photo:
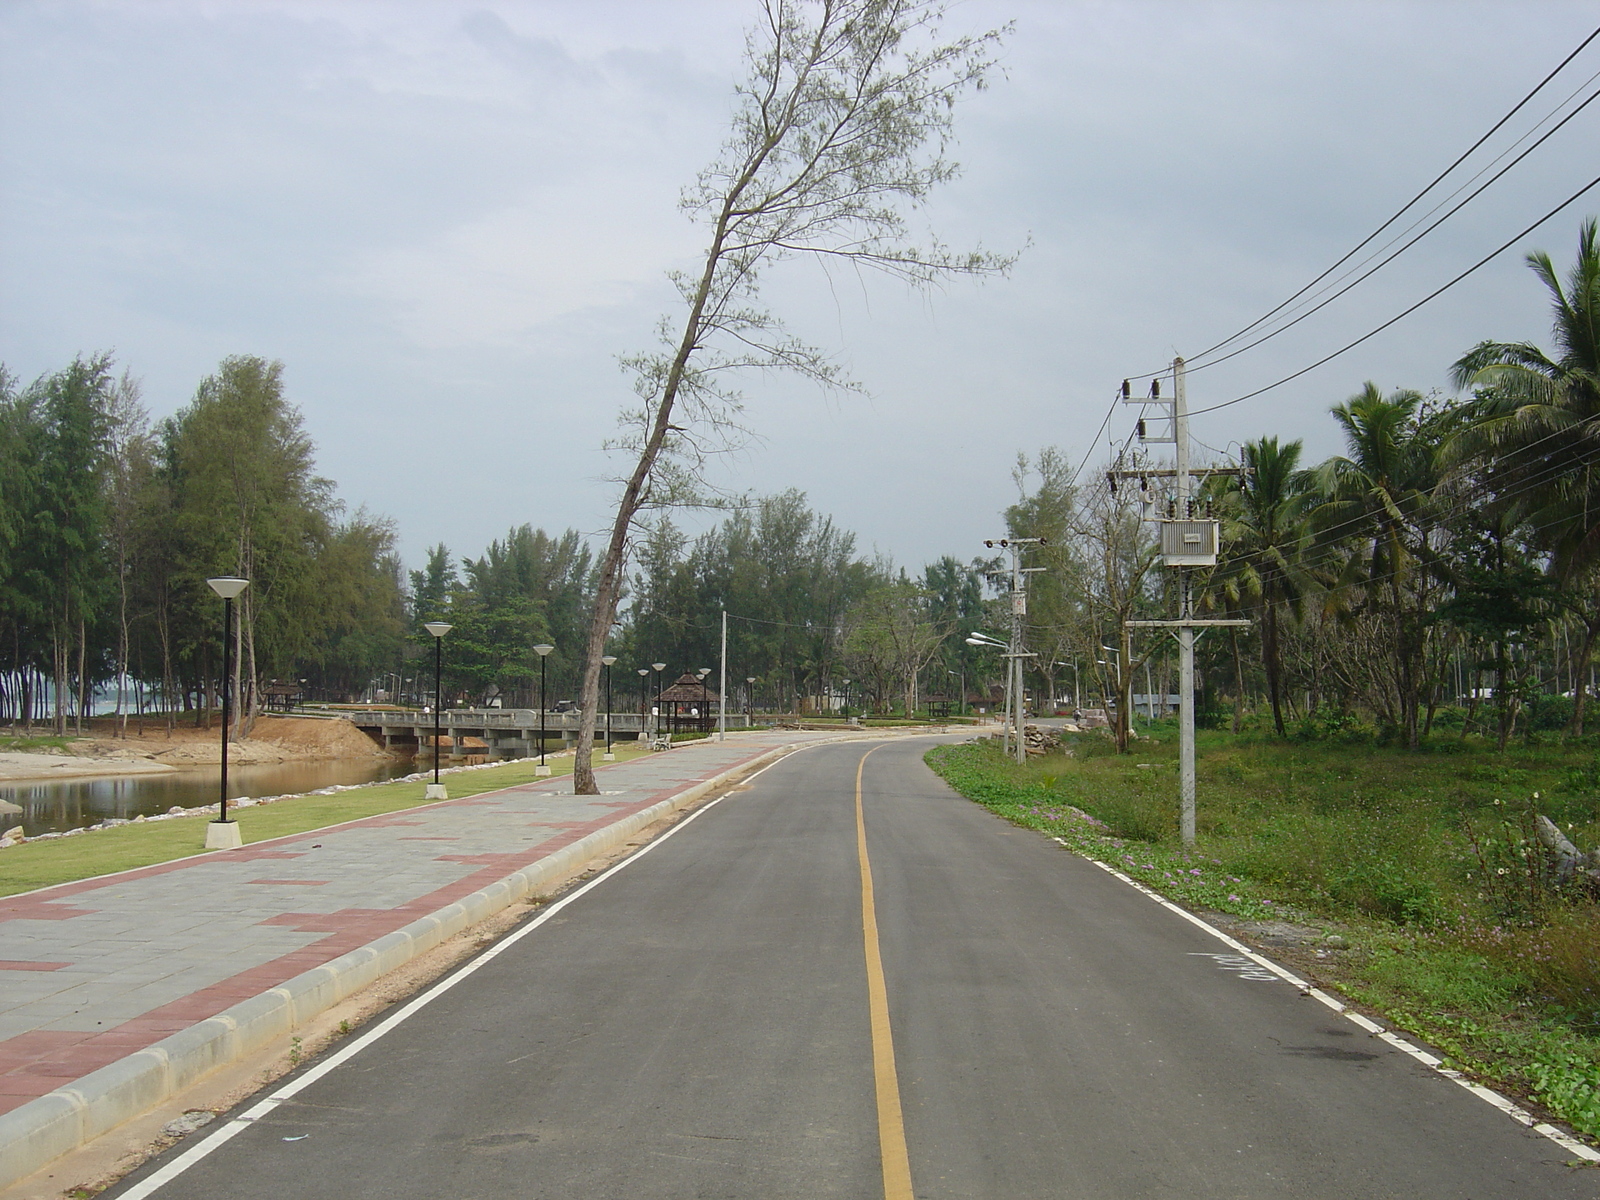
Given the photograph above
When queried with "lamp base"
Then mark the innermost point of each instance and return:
(542, 769)
(436, 791)
(223, 835)
(608, 756)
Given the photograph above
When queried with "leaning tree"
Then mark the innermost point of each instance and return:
(841, 126)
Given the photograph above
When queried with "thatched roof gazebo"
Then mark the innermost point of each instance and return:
(690, 700)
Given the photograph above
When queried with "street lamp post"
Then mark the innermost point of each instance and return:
(1013, 689)
(223, 834)
(749, 699)
(435, 790)
(705, 699)
(655, 710)
(846, 701)
(608, 660)
(542, 650)
(644, 704)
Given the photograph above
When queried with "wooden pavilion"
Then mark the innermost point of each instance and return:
(686, 706)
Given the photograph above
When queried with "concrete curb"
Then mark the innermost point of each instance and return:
(44, 1129)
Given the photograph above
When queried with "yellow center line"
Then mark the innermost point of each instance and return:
(891, 1121)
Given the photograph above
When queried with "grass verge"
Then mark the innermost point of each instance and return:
(1414, 862)
(38, 864)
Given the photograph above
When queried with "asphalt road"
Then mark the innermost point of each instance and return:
(701, 1024)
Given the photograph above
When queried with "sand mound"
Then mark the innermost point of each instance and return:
(310, 737)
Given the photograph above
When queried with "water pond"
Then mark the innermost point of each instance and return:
(54, 806)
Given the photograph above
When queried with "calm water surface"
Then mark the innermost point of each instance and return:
(57, 805)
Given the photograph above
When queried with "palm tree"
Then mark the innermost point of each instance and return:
(1379, 500)
(1268, 532)
(1535, 440)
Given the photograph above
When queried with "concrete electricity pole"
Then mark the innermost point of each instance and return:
(1015, 653)
(1185, 543)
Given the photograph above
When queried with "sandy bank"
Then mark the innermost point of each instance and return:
(273, 740)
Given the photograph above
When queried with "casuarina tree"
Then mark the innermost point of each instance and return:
(841, 126)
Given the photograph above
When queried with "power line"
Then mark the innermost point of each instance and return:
(1506, 245)
(1359, 279)
(1495, 128)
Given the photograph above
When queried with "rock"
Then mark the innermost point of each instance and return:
(15, 833)
(8, 808)
(188, 1123)
(1334, 942)
(177, 810)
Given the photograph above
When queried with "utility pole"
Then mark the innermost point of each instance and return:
(722, 704)
(1015, 653)
(1185, 543)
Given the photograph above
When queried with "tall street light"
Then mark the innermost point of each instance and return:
(223, 834)
(750, 700)
(542, 650)
(608, 660)
(435, 790)
(644, 703)
(705, 700)
(1013, 697)
(655, 711)
(847, 701)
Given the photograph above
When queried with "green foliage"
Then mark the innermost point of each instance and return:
(786, 575)
(108, 532)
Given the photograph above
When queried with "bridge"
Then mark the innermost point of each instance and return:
(503, 732)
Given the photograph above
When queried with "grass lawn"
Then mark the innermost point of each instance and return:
(1423, 862)
(39, 864)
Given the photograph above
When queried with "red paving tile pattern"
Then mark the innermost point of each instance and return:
(38, 1061)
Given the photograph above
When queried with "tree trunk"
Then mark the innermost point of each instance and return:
(1502, 693)
(1272, 661)
(84, 690)
(58, 662)
(1238, 684)
(1580, 686)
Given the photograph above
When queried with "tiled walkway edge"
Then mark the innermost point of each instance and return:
(45, 1128)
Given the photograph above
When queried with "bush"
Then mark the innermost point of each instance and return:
(1549, 713)
(1323, 724)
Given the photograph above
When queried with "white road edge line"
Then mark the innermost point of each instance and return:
(1515, 1111)
(159, 1179)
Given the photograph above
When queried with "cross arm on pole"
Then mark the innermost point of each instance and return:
(1187, 623)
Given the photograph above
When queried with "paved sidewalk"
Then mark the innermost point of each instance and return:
(93, 971)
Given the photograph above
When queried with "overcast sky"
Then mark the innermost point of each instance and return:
(449, 219)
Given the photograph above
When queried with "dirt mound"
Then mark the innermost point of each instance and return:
(274, 739)
(310, 737)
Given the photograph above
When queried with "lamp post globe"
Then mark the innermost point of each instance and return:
(223, 834)
(607, 660)
(543, 651)
(435, 790)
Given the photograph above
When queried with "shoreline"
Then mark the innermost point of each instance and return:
(101, 753)
(24, 766)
